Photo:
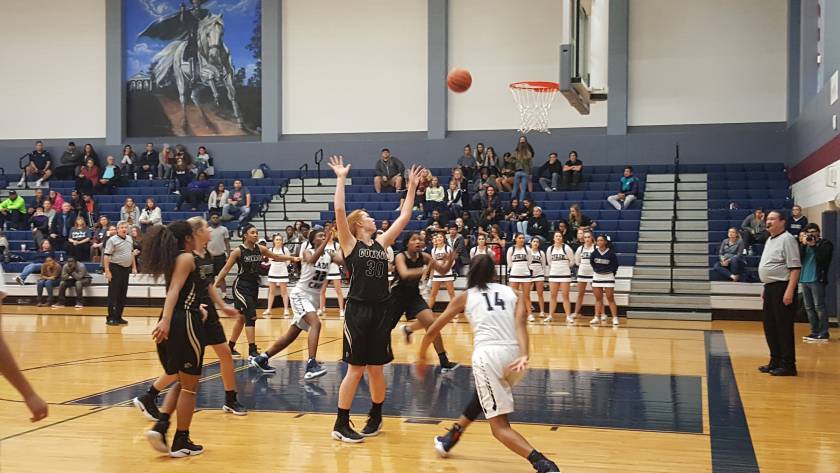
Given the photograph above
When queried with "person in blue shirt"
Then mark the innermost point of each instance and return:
(604, 262)
(628, 190)
(797, 222)
(815, 253)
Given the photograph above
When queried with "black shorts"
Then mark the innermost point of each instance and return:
(245, 294)
(218, 263)
(214, 333)
(184, 349)
(367, 333)
(407, 303)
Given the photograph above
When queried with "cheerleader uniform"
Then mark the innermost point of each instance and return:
(604, 265)
(439, 254)
(478, 251)
(537, 266)
(518, 260)
(584, 272)
(334, 273)
(560, 264)
(278, 272)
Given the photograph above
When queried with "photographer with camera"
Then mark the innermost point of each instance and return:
(816, 253)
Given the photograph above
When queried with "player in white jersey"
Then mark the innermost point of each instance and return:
(304, 297)
(439, 251)
(561, 259)
(537, 266)
(497, 316)
(334, 275)
(584, 272)
(278, 276)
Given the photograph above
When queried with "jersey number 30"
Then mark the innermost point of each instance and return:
(499, 301)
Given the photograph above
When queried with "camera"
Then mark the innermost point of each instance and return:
(810, 238)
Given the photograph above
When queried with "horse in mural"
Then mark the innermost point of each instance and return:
(212, 66)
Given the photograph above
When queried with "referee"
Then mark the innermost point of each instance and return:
(118, 263)
(779, 271)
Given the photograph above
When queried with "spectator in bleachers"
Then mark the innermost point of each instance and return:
(563, 228)
(4, 246)
(45, 251)
(754, 229)
(453, 200)
(490, 162)
(203, 160)
(506, 174)
(292, 240)
(217, 199)
(75, 275)
(523, 213)
(196, 193)
(90, 209)
(36, 201)
(436, 221)
(129, 159)
(488, 200)
(181, 152)
(150, 215)
(76, 201)
(578, 220)
(628, 190)
(182, 176)
(130, 212)
(797, 221)
(148, 162)
(456, 241)
(479, 153)
(137, 243)
(238, 204)
(40, 165)
(488, 219)
(166, 159)
(88, 177)
(389, 172)
(524, 166)
(579, 237)
(572, 170)
(56, 199)
(731, 262)
(98, 237)
(78, 245)
(496, 237)
(467, 163)
(463, 229)
(538, 225)
(434, 197)
(13, 211)
(485, 180)
(109, 178)
(549, 173)
(219, 245)
(384, 225)
(815, 253)
(40, 225)
(48, 280)
(458, 178)
(69, 161)
(89, 153)
(61, 226)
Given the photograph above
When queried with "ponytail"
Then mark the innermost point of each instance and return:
(165, 243)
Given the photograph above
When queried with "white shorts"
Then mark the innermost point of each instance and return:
(302, 303)
(334, 277)
(603, 280)
(556, 279)
(278, 279)
(493, 381)
(538, 278)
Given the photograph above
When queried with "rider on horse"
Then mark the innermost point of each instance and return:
(183, 26)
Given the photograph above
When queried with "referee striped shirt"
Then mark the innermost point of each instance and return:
(119, 250)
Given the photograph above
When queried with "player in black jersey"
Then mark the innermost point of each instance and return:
(367, 326)
(214, 333)
(249, 256)
(179, 334)
(411, 264)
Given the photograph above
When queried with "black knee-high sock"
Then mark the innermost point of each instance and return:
(376, 409)
(230, 396)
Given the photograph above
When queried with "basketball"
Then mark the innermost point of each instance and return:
(459, 80)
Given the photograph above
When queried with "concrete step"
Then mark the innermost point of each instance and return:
(670, 301)
(695, 274)
(292, 199)
(681, 214)
(646, 235)
(680, 248)
(669, 195)
(650, 272)
(652, 287)
(697, 236)
(669, 186)
(681, 204)
(690, 177)
(669, 315)
(298, 206)
(307, 215)
(664, 259)
(693, 225)
(326, 182)
(692, 287)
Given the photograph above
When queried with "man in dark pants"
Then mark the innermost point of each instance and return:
(779, 271)
(118, 262)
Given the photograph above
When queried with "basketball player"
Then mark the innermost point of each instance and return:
(304, 298)
(179, 333)
(411, 265)
(246, 287)
(561, 259)
(584, 271)
(500, 354)
(367, 328)
(214, 333)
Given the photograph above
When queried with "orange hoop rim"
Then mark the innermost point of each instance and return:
(536, 86)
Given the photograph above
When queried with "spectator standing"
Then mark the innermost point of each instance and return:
(79, 241)
(150, 215)
(238, 204)
(219, 244)
(389, 172)
(50, 271)
(69, 161)
(524, 163)
(628, 190)
(467, 163)
(730, 262)
(13, 211)
(148, 162)
(217, 199)
(797, 221)
(75, 275)
(572, 170)
(88, 177)
(61, 226)
(779, 270)
(754, 229)
(815, 254)
(128, 161)
(119, 263)
(130, 213)
(44, 252)
(40, 165)
(549, 173)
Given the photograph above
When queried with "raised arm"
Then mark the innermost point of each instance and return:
(345, 237)
(270, 254)
(390, 236)
(311, 256)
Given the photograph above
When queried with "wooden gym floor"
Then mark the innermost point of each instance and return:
(649, 396)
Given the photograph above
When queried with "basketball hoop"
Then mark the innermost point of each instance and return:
(534, 100)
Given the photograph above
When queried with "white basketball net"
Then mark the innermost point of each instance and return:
(534, 101)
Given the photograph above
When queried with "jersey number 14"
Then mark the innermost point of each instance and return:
(498, 301)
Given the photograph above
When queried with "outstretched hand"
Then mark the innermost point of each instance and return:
(414, 174)
(338, 166)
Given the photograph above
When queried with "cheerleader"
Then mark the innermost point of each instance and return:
(518, 262)
(481, 248)
(334, 274)
(584, 270)
(439, 252)
(561, 258)
(604, 265)
(537, 266)
(278, 276)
